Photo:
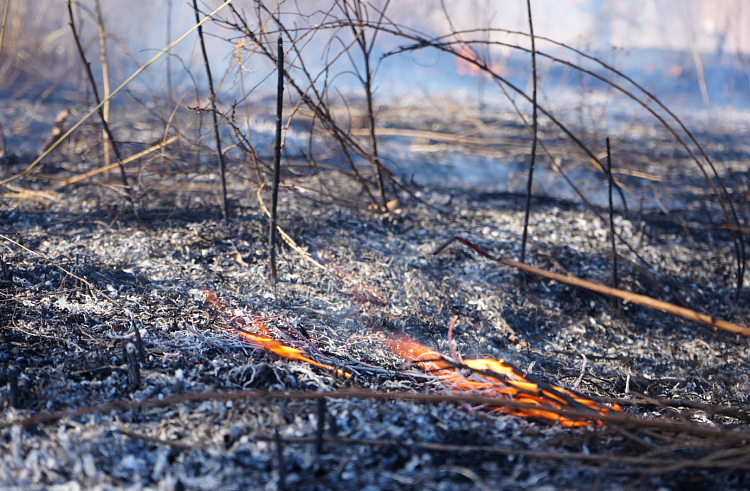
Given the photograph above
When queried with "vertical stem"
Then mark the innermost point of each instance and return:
(169, 58)
(5, 19)
(371, 124)
(87, 66)
(277, 155)
(219, 153)
(105, 80)
(611, 217)
(321, 426)
(530, 182)
(280, 459)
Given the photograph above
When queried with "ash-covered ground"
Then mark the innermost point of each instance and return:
(153, 256)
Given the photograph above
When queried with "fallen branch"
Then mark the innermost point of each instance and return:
(729, 435)
(626, 296)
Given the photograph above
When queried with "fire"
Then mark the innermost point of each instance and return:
(257, 334)
(496, 378)
(485, 377)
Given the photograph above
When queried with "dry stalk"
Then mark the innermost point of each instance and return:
(212, 93)
(534, 131)
(626, 296)
(105, 80)
(91, 173)
(728, 435)
(2, 28)
(100, 104)
(276, 156)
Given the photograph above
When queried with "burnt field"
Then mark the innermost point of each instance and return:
(193, 404)
(285, 275)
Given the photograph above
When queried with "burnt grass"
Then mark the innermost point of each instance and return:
(63, 344)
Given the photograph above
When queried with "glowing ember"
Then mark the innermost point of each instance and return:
(496, 378)
(256, 333)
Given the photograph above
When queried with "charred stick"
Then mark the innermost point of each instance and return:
(15, 399)
(534, 126)
(694, 429)
(611, 216)
(277, 156)
(321, 426)
(139, 345)
(5, 274)
(134, 369)
(280, 459)
(219, 153)
(90, 74)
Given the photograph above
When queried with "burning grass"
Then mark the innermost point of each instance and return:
(498, 379)
(487, 378)
(253, 330)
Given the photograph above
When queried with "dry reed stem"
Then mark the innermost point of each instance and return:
(626, 296)
(285, 236)
(81, 177)
(104, 117)
(2, 28)
(645, 463)
(105, 79)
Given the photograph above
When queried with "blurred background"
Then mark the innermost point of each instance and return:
(692, 51)
(439, 117)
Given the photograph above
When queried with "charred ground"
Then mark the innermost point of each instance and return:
(154, 253)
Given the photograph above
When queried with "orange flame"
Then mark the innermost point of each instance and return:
(263, 340)
(496, 378)
(488, 377)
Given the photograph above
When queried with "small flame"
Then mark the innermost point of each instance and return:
(257, 334)
(488, 377)
(496, 378)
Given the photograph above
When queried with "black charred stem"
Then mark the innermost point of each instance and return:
(219, 153)
(534, 126)
(14, 396)
(276, 157)
(612, 217)
(280, 459)
(134, 368)
(139, 343)
(322, 406)
(6, 278)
